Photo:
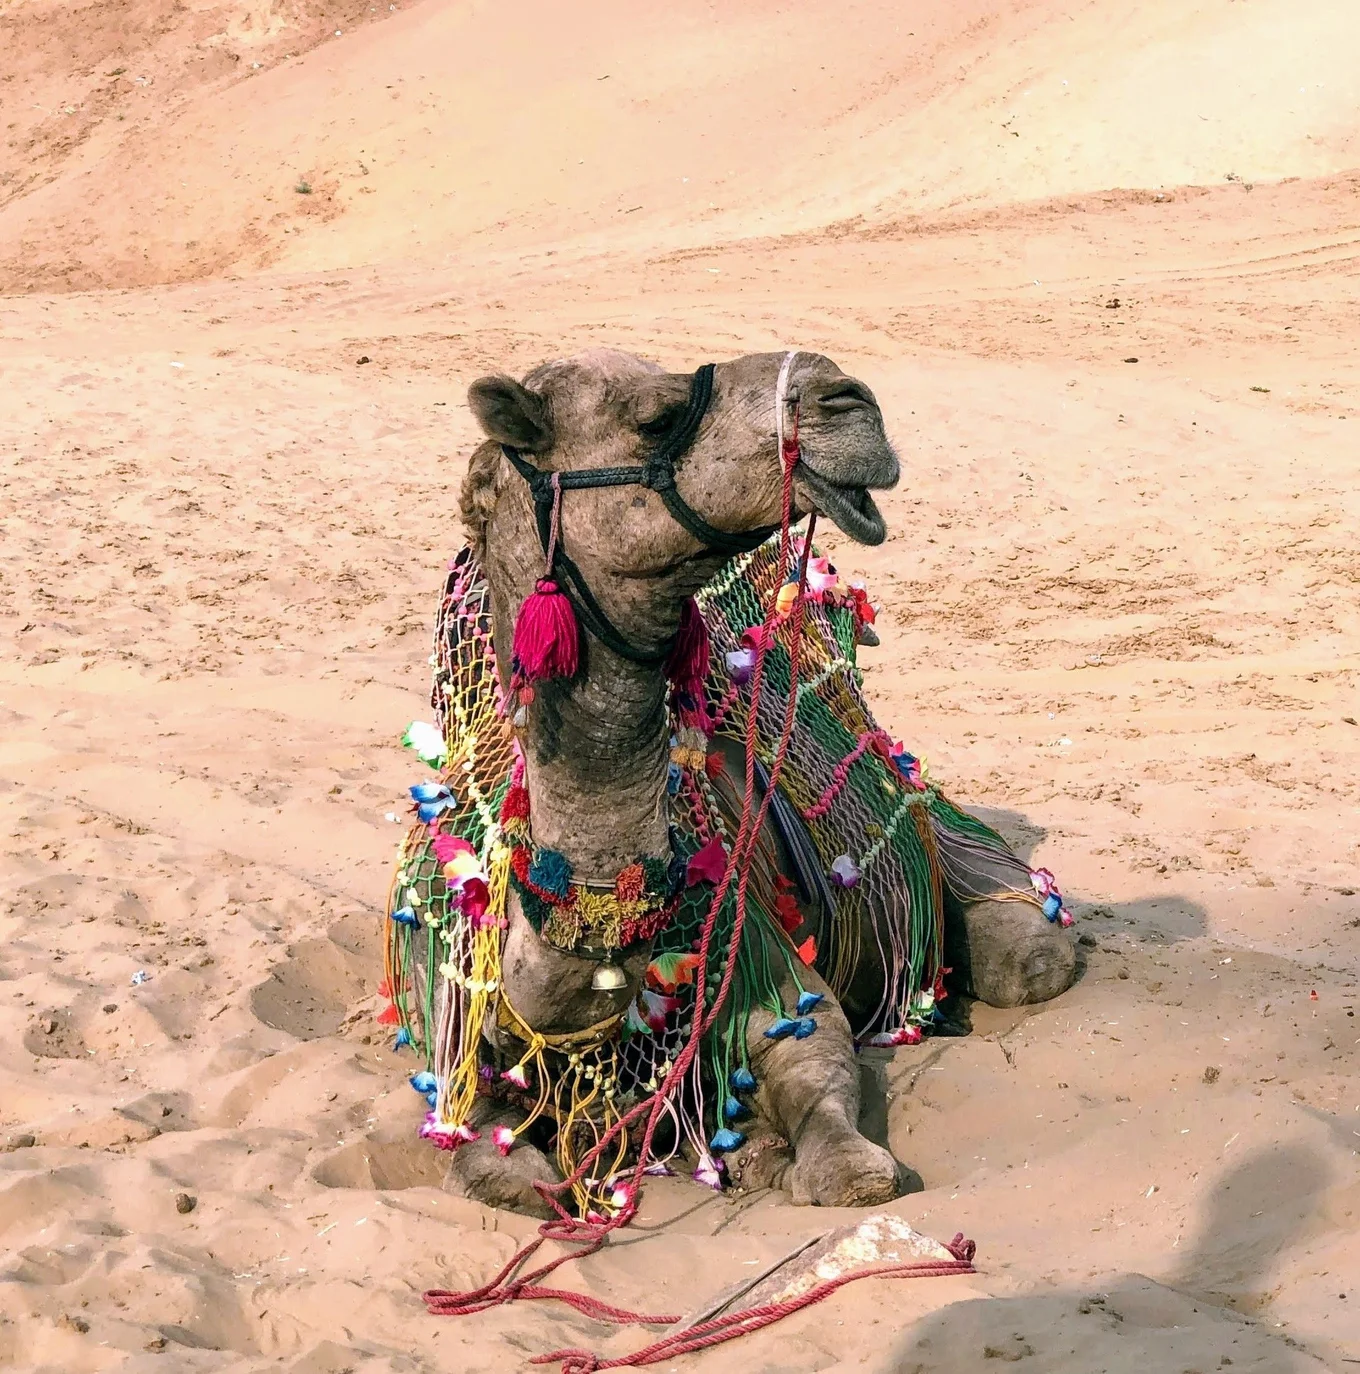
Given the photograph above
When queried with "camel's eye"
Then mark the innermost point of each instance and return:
(661, 425)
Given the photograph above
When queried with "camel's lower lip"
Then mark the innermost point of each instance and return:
(852, 508)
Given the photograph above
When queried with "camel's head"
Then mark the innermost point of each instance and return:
(607, 409)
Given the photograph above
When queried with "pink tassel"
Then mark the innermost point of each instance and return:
(687, 665)
(547, 640)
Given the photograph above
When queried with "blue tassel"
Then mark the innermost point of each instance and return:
(403, 1039)
(781, 1028)
(725, 1139)
(673, 778)
(1052, 905)
(807, 1001)
(424, 1082)
(551, 871)
(803, 1027)
(427, 811)
(734, 1109)
(743, 1081)
(432, 1098)
(404, 916)
(428, 791)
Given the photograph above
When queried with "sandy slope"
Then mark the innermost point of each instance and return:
(1121, 613)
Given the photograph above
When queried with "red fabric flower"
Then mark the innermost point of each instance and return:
(475, 898)
(708, 865)
(786, 905)
(515, 807)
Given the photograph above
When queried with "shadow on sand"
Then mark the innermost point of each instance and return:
(1196, 1320)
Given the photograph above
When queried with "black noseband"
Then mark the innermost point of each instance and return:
(656, 474)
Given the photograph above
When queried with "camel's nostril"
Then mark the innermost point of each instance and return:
(846, 396)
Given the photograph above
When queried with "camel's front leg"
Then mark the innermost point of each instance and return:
(808, 1090)
(479, 1171)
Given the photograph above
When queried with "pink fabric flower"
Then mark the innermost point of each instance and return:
(447, 846)
(623, 1198)
(845, 871)
(821, 576)
(446, 1137)
(1043, 882)
(709, 1172)
(741, 664)
(503, 1138)
(517, 1077)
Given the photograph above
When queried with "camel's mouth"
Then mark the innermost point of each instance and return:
(852, 508)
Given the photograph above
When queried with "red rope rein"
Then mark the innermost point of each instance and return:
(585, 1238)
(728, 1325)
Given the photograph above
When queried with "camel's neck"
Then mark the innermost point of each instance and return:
(596, 749)
(596, 755)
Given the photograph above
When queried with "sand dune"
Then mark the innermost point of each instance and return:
(447, 127)
(1120, 616)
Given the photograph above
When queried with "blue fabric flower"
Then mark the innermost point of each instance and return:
(782, 1027)
(807, 1001)
(1052, 906)
(725, 1139)
(734, 1109)
(403, 1039)
(424, 1082)
(803, 1027)
(743, 1080)
(405, 916)
(673, 777)
(431, 799)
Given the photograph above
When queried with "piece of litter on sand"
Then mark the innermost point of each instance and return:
(140, 977)
(331, 1227)
(391, 816)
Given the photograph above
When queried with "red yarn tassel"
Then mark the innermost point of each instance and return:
(547, 640)
(687, 664)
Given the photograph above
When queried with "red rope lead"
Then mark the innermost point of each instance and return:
(729, 1325)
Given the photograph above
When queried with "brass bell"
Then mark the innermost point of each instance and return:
(608, 978)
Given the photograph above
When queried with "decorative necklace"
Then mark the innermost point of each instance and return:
(596, 919)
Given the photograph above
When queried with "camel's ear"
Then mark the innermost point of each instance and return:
(511, 414)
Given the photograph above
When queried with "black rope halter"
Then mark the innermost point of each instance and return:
(656, 474)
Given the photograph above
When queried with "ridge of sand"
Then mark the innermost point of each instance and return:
(1119, 615)
(450, 126)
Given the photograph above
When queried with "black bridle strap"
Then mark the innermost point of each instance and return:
(658, 475)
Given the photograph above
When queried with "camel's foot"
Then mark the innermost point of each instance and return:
(479, 1171)
(841, 1169)
(1009, 954)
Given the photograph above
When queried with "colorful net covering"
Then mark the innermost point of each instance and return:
(873, 845)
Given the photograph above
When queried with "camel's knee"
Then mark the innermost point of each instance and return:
(1008, 954)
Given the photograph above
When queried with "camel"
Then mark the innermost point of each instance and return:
(596, 745)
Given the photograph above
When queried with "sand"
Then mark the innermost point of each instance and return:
(1120, 618)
